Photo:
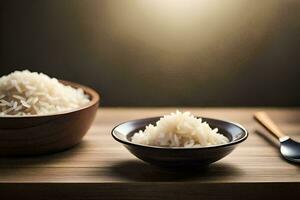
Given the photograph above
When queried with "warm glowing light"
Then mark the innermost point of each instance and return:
(177, 9)
(180, 33)
(183, 25)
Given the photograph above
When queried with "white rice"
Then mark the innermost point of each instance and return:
(179, 130)
(31, 93)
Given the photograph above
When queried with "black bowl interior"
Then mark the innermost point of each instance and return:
(124, 132)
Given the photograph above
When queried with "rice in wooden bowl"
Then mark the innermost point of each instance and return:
(39, 114)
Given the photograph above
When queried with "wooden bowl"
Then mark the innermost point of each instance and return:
(40, 134)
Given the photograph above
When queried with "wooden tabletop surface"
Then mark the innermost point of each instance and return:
(102, 166)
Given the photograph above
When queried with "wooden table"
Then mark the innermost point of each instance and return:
(102, 168)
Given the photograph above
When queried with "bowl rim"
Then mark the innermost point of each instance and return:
(94, 99)
(127, 142)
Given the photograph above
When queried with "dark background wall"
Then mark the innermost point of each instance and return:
(160, 53)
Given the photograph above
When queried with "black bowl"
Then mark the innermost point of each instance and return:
(179, 156)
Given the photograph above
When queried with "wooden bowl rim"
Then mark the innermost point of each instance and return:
(94, 99)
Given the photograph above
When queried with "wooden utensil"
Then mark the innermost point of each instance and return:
(289, 148)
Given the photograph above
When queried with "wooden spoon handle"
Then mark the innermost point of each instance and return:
(266, 122)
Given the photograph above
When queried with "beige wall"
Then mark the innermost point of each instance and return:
(153, 52)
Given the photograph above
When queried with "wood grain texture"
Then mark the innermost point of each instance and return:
(101, 162)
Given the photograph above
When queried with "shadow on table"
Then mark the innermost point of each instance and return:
(136, 170)
(269, 139)
(43, 159)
